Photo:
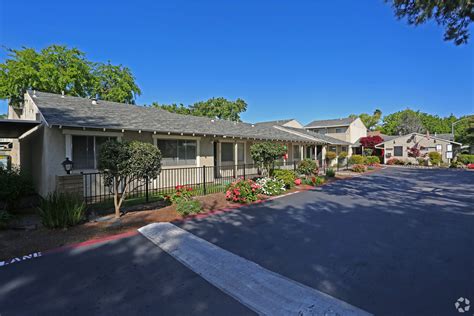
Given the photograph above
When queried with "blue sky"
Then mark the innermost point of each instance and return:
(302, 59)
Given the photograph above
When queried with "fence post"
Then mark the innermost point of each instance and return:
(244, 170)
(204, 189)
(294, 166)
(146, 190)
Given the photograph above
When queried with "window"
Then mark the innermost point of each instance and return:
(439, 147)
(398, 151)
(227, 152)
(240, 153)
(177, 152)
(449, 147)
(340, 130)
(85, 151)
(333, 148)
(296, 152)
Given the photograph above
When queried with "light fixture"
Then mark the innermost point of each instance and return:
(67, 165)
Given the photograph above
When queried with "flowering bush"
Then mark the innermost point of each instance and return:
(297, 181)
(181, 193)
(314, 181)
(395, 161)
(271, 186)
(359, 168)
(470, 166)
(242, 191)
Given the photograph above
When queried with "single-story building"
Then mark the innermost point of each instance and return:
(399, 146)
(57, 127)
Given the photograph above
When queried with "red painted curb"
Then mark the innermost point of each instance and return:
(92, 242)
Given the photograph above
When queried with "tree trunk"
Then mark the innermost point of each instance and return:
(116, 198)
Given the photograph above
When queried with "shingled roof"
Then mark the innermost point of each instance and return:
(276, 122)
(316, 136)
(68, 111)
(329, 123)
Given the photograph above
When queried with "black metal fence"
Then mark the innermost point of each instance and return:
(203, 180)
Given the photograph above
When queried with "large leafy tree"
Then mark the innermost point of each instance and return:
(58, 68)
(454, 15)
(370, 121)
(220, 108)
(125, 162)
(115, 83)
(3, 116)
(396, 122)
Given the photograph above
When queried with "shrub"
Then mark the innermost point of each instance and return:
(318, 180)
(342, 155)
(14, 185)
(357, 160)
(265, 153)
(371, 160)
(421, 161)
(307, 167)
(181, 193)
(435, 157)
(330, 155)
(359, 168)
(61, 210)
(271, 186)
(287, 176)
(186, 207)
(395, 161)
(470, 166)
(242, 191)
(465, 159)
(330, 173)
(5, 218)
(297, 181)
(457, 164)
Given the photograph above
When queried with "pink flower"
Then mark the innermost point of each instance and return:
(297, 181)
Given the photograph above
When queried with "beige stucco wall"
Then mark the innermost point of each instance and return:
(357, 130)
(293, 123)
(429, 144)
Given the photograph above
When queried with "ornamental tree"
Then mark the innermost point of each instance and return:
(264, 154)
(370, 141)
(124, 162)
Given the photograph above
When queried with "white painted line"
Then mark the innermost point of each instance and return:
(19, 259)
(263, 291)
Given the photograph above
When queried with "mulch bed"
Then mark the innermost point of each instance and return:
(21, 242)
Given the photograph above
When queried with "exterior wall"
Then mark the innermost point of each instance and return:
(357, 130)
(28, 112)
(206, 151)
(405, 141)
(293, 123)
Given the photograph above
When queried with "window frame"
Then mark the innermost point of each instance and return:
(178, 137)
(395, 151)
(69, 133)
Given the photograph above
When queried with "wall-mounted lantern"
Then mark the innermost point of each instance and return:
(67, 165)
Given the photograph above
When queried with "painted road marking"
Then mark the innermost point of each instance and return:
(263, 291)
(19, 259)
